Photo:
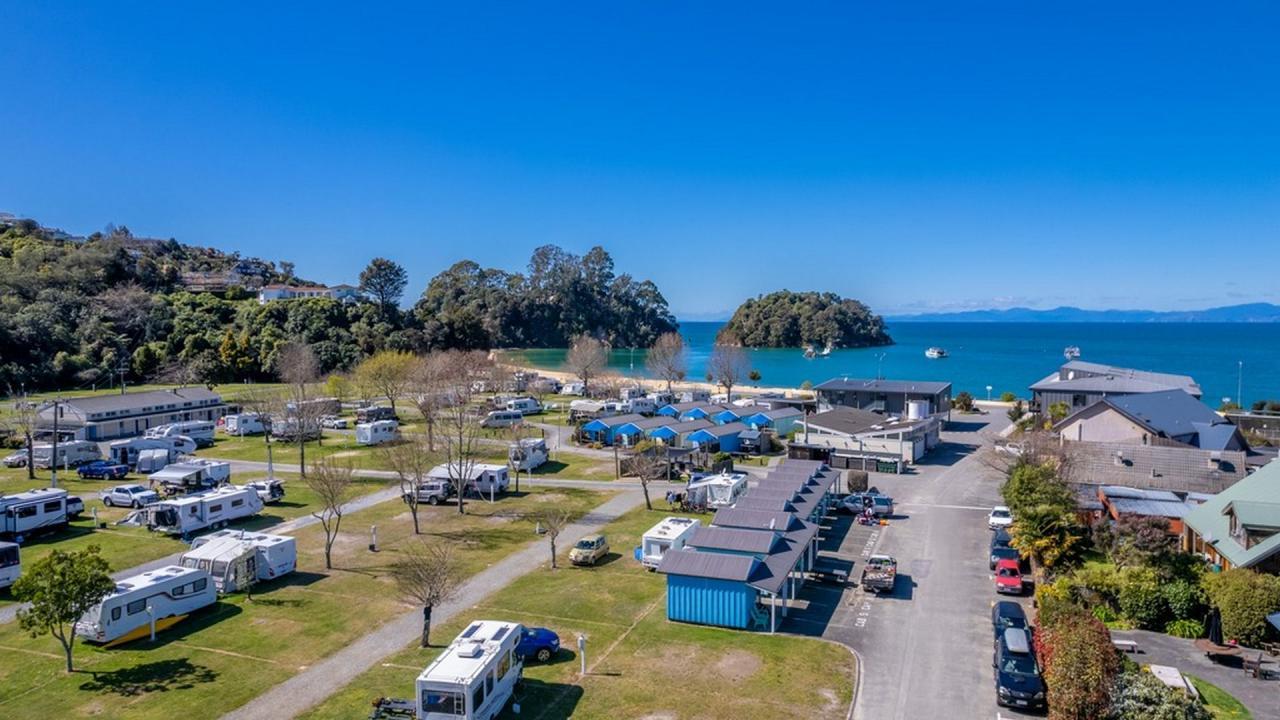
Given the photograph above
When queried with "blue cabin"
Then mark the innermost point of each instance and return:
(782, 421)
(726, 416)
(603, 430)
(630, 433)
(721, 438)
(677, 434)
(677, 410)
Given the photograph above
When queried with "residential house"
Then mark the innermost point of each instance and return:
(1155, 467)
(1166, 417)
(1118, 502)
(1240, 526)
(887, 397)
(1079, 384)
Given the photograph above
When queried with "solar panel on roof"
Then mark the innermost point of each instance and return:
(470, 631)
(502, 632)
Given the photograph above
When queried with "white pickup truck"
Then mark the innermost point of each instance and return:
(134, 496)
(879, 574)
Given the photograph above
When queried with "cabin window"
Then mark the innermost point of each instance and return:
(53, 507)
(215, 508)
(477, 697)
(504, 664)
(449, 703)
(136, 607)
(200, 585)
(488, 684)
(115, 613)
(194, 511)
(180, 591)
(237, 503)
(27, 511)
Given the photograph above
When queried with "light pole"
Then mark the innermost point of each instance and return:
(879, 364)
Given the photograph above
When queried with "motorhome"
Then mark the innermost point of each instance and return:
(527, 453)
(639, 405)
(377, 432)
(166, 595)
(10, 564)
(71, 454)
(475, 676)
(583, 410)
(199, 430)
(288, 429)
(717, 491)
(315, 407)
(524, 405)
(373, 413)
(573, 388)
(32, 512)
(480, 478)
(193, 475)
(128, 451)
(249, 423)
(631, 393)
(502, 419)
(236, 559)
(688, 396)
(662, 398)
(670, 534)
(211, 509)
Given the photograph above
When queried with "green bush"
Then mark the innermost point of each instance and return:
(1184, 599)
(1140, 599)
(1189, 629)
(1105, 613)
(1007, 396)
(1245, 598)
(1139, 695)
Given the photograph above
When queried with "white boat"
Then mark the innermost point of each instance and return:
(1071, 352)
(809, 352)
(935, 353)
(826, 351)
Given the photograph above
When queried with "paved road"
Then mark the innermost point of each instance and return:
(1262, 697)
(313, 685)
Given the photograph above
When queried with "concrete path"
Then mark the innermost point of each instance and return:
(315, 684)
(1262, 697)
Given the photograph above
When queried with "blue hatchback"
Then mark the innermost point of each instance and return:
(540, 644)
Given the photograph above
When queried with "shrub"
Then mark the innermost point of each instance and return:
(1184, 599)
(1080, 665)
(1007, 396)
(1104, 613)
(1189, 629)
(1245, 598)
(1139, 695)
(963, 401)
(1140, 599)
(1016, 412)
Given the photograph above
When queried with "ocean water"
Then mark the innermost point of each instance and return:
(1007, 356)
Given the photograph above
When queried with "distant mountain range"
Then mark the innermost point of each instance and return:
(1248, 313)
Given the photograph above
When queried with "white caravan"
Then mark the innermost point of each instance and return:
(150, 461)
(10, 564)
(34, 511)
(524, 405)
(475, 676)
(670, 534)
(192, 475)
(639, 405)
(236, 559)
(71, 453)
(171, 593)
(242, 424)
(199, 430)
(717, 491)
(377, 432)
(527, 453)
(126, 452)
(212, 509)
(480, 479)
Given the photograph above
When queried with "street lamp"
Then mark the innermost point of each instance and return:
(988, 393)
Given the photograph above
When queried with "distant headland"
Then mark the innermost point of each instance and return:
(1247, 313)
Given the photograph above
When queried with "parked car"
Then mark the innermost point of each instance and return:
(999, 517)
(538, 643)
(103, 470)
(129, 496)
(269, 490)
(1001, 538)
(879, 574)
(1003, 552)
(589, 550)
(433, 492)
(75, 506)
(333, 422)
(1007, 614)
(18, 459)
(1008, 577)
(1018, 682)
(857, 503)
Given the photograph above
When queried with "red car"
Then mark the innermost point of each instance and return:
(1008, 577)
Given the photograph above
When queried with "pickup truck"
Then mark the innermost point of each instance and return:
(879, 574)
(134, 496)
(102, 470)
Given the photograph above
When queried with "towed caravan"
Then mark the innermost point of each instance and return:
(236, 559)
(201, 431)
(191, 476)
(377, 432)
(527, 453)
(71, 453)
(171, 593)
(32, 512)
(249, 423)
(717, 491)
(10, 564)
(129, 451)
(211, 509)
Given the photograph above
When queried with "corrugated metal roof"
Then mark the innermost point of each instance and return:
(137, 400)
(715, 566)
(720, 431)
(1154, 508)
(886, 386)
(758, 519)
(1212, 523)
(735, 539)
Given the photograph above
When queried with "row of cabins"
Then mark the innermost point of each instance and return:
(715, 428)
(745, 569)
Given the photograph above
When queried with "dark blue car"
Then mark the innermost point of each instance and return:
(538, 643)
(103, 470)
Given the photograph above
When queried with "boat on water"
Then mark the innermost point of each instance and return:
(826, 351)
(935, 353)
(1071, 352)
(809, 352)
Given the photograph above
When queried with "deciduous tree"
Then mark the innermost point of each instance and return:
(1245, 598)
(330, 481)
(297, 366)
(667, 359)
(426, 574)
(411, 461)
(61, 587)
(389, 373)
(729, 364)
(553, 521)
(586, 359)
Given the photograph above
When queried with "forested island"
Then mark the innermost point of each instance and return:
(84, 311)
(796, 319)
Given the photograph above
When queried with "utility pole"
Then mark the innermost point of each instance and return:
(121, 368)
(53, 458)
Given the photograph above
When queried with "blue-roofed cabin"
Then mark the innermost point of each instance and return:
(678, 410)
(721, 438)
(628, 434)
(677, 434)
(782, 421)
(726, 416)
(604, 430)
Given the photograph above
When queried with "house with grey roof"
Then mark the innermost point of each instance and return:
(1166, 417)
(1119, 502)
(1154, 467)
(1239, 527)
(1079, 384)
(107, 417)
(854, 437)
(886, 397)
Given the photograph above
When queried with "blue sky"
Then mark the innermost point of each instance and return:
(918, 158)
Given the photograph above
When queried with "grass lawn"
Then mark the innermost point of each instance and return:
(639, 663)
(575, 466)
(1220, 703)
(224, 656)
(336, 444)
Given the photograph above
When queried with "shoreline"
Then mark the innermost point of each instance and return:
(653, 383)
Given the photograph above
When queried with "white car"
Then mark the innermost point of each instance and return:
(18, 459)
(999, 518)
(129, 496)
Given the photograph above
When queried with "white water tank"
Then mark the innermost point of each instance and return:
(917, 409)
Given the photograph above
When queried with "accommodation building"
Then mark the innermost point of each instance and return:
(692, 410)
(859, 438)
(1239, 527)
(1155, 467)
(1166, 417)
(719, 438)
(343, 293)
(782, 421)
(1079, 384)
(604, 430)
(887, 397)
(633, 431)
(677, 434)
(107, 417)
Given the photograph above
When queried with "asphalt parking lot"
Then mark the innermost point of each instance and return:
(926, 648)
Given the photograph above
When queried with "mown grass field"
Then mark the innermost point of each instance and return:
(640, 665)
(1220, 702)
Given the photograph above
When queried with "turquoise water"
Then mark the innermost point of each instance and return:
(1009, 356)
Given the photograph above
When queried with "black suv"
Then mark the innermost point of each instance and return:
(1018, 682)
(1007, 614)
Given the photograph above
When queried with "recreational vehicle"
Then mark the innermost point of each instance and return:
(70, 454)
(127, 451)
(375, 413)
(212, 509)
(269, 489)
(32, 512)
(244, 424)
(475, 676)
(688, 396)
(502, 419)
(717, 491)
(166, 595)
(524, 406)
(481, 478)
(377, 432)
(236, 559)
(639, 405)
(191, 476)
(527, 453)
(670, 534)
(201, 431)
(10, 564)
(662, 398)
(315, 407)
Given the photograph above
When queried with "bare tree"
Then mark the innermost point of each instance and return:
(553, 521)
(586, 358)
(24, 424)
(331, 483)
(460, 426)
(428, 574)
(297, 366)
(266, 405)
(729, 364)
(411, 461)
(432, 391)
(667, 359)
(649, 462)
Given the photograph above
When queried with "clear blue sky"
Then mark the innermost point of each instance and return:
(917, 158)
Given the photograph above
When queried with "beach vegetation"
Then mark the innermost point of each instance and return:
(796, 319)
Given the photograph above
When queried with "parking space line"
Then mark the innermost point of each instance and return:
(946, 507)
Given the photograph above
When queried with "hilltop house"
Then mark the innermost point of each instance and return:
(343, 293)
(1240, 527)
(106, 417)
(1080, 384)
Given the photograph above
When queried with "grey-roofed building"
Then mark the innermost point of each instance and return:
(107, 417)
(888, 397)
(1079, 384)
(1120, 502)
(1167, 417)
(858, 435)
(1158, 467)
(736, 540)
(1240, 527)
(756, 519)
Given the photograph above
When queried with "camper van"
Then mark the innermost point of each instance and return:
(639, 405)
(475, 676)
(527, 453)
(375, 413)
(171, 593)
(236, 559)
(670, 534)
(33, 512)
(127, 452)
(193, 475)
(688, 396)
(269, 489)
(287, 429)
(502, 419)
(10, 564)
(71, 453)
(662, 398)
(482, 479)
(524, 405)
(199, 430)
(212, 509)
(717, 491)
(377, 432)
(244, 424)
(573, 388)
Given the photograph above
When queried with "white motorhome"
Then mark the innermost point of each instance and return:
(662, 398)
(242, 424)
(127, 451)
(502, 419)
(573, 388)
(524, 405)
(10, 564)
(199, 430)
(377, 432)
(475, 676)
(171, 593)
(32, 512)
(192, 475)
(527, 453)
(717, 491)
(639, 405)
(212, 509)
(670, 534)
(236, 559)
(688, 396)
(480, 479)
(71, 453)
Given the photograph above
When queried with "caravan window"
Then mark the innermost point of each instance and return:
(199, 585)
(8, 557)
(27, 511)
(136, 606)
(237, 503)
(449, 703)
(115, 613)
(477, 697)
(220, 567)
(488, 684)
(215, 508)
(53, 507)
(179, 591)
(504, 664)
